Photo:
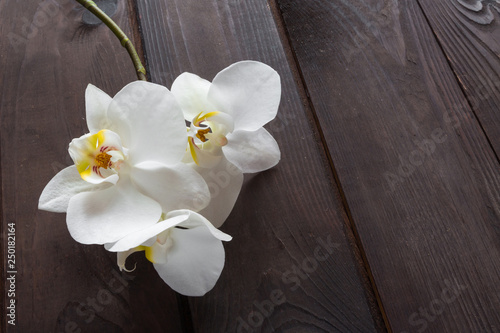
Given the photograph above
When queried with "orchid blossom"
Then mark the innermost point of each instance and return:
(227, 116)
(185, 249)
(128, 169)
(225, 136)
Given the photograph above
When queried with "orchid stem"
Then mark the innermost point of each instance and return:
(126, 43)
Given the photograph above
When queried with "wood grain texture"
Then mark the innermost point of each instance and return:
(282, 215)
(48, 57)
(418, 173)
(469, 33)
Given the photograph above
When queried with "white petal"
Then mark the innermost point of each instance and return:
(150, 123)
(67, 183)
(250, 91)
(252, 151)
(96, 105)
(196, 220)
(111, 214)
(174, 187)
(195, 261)
(190, 90)
(224, 182)
(139, 238)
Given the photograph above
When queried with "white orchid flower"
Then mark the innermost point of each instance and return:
(185, 249)
(128, 169)
(226, 137)
(227, 115)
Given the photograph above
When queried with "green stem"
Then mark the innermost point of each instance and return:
(126, 43)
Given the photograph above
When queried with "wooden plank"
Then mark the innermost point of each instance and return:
(419, 176)
(49, 55)
(469, 33)
(282, 215)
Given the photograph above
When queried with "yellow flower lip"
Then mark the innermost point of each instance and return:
(97, 156)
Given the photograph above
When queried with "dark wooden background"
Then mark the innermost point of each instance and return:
(389, 128)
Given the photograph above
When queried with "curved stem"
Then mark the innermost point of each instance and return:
(126, 43)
